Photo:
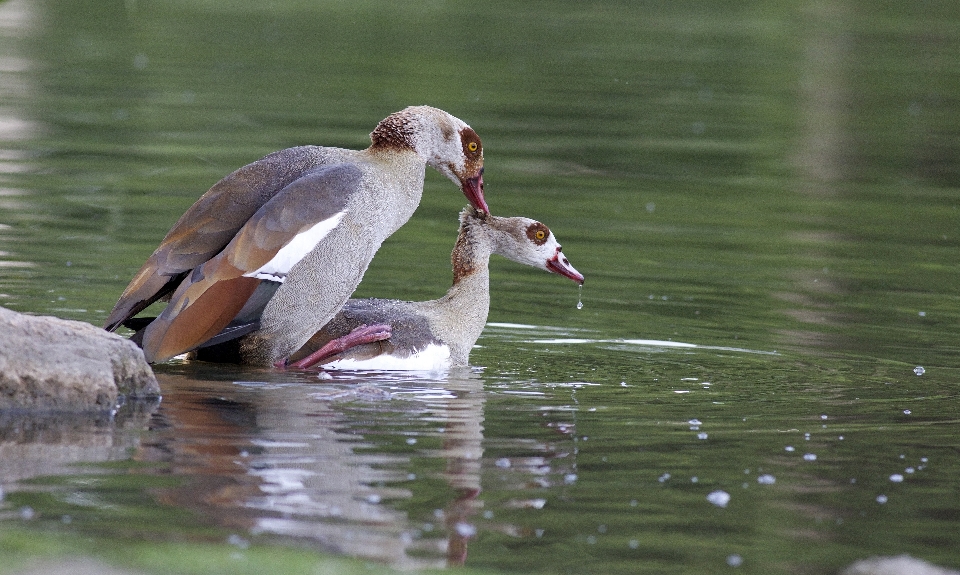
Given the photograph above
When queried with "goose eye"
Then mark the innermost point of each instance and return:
(538, 233)
(472, 146)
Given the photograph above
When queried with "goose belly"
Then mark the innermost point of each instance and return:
(434, 357)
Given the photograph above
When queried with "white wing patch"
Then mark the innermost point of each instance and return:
(276, 269)
(431, 358)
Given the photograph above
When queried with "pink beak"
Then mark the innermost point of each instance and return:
(561, 265)
(473, 190)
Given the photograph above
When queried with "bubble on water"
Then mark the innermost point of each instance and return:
(789, 448)
(27, 513)
(719, 498)
(824, 416)
(663, 478)
(766, 479)
(633, 544)
(922, 314)
(907, 412)
(734, 560)
(896, 478)
(702, 435)
(238, 541)
(465, 530)
(411, 440)
(881, 499)
(503, 463)
(919, 370)
(809, 456)
(909, 470)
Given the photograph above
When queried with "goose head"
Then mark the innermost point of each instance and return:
(445, 142)
(529, 242)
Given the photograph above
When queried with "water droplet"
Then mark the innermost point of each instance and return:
(719, 498)
(810, 457)
(734, 560)
(766, 479)
(881, 499)
(580, 296)
(919, 370)
(465, 529)
(896, 478)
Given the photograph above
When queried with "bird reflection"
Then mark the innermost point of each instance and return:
(303, 460)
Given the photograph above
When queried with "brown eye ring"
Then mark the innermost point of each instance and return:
(538, 233)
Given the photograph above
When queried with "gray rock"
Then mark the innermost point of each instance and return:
(898, 565)
(53, 364)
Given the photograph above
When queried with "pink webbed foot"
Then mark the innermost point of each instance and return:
(361, 335)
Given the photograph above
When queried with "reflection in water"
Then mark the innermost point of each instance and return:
(16, 23)
(820, 156)
(283, 458)
(33, 445)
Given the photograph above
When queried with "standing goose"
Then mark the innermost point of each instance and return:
(288, 238)
(391, 334)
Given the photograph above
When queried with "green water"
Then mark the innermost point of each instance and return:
(762, 197)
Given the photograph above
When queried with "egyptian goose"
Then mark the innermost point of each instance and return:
(391, 334)
(288, 238)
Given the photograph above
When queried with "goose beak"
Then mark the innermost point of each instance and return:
(559, 264)
(473, 190)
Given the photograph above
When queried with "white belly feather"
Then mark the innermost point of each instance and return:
(431, 358)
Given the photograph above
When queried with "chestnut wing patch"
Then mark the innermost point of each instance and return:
(311, 202)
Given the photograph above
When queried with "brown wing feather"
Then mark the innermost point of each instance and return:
(213, 293)
(216, 305)
(209, 225)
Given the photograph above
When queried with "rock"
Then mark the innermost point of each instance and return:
(53, 364)
(899, 565)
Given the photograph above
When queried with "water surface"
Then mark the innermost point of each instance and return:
(762, 197)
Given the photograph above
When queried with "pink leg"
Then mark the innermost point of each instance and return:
(361, 335)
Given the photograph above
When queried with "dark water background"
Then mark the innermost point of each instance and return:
(763, 199)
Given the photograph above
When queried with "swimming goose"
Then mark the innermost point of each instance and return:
(391, 334)
(288, 238)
